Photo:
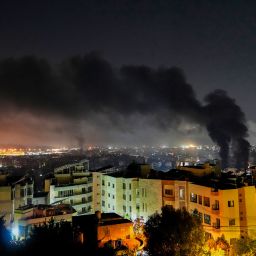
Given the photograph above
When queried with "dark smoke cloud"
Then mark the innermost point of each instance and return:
(81, 87)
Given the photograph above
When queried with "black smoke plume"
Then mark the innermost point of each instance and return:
(80, 87)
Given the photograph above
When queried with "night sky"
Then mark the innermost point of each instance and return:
(213, 42)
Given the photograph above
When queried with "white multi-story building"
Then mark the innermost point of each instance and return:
(131, 197)
(72, 184)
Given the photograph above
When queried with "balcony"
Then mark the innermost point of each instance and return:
(216, 225)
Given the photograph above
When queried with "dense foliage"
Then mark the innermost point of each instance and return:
(174, 232)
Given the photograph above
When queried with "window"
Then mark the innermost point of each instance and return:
(130, 208)
(232, 222)
(216, 205)
(103, 192)
(83, 200)
(207, 219)
(113, 185)
(29, 191)
(113, 196)
(108, 205)
(206, 201)
(23, 193)
(217, 223)
(240, 200)
(113, 207)
(124, 197)
(109, 195)
(103, 183)
(130, 186)
(130, 197)
(181, 193)
(109, 184)
(231, 203)
(124, 208)
(168, 192)
(29, 201)
(200, 199)
(83, 190)
(124, 186)
(103, 203)
(193, 197)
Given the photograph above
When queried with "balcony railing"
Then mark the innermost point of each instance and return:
(215, 207)
(216, 225)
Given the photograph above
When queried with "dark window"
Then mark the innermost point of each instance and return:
(103, 182)
(232, 222)
(200, 199)
(130, 197)
(113, 185)
(168, 192)
(206, 201)
(124, 197)
(124, 208)
(130, 186)
(124, 186)
(103, 203)
(231, 203)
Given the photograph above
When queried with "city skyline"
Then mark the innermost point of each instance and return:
(212, 42)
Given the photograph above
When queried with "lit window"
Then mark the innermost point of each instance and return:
(207, 219)
(193, 197)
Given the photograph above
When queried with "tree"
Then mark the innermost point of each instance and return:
(174, 232)
(245, 247)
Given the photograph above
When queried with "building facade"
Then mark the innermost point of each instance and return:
(72, 184)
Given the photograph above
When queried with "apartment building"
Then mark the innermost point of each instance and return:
(15, 191)
(131, 197)
(25, 217)
(72, 184)
(175, 193)
(224, 211)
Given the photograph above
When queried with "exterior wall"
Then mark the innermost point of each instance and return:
(80, 196)
(247, 201)
(24, 220)
(14, 197)
(74, 186)
(175, 193)
(131, 197)
(96, 177)
(6, 203)
(111, 194)
(207, 169)
(115, 232)
(230, 210)
(150, 197)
